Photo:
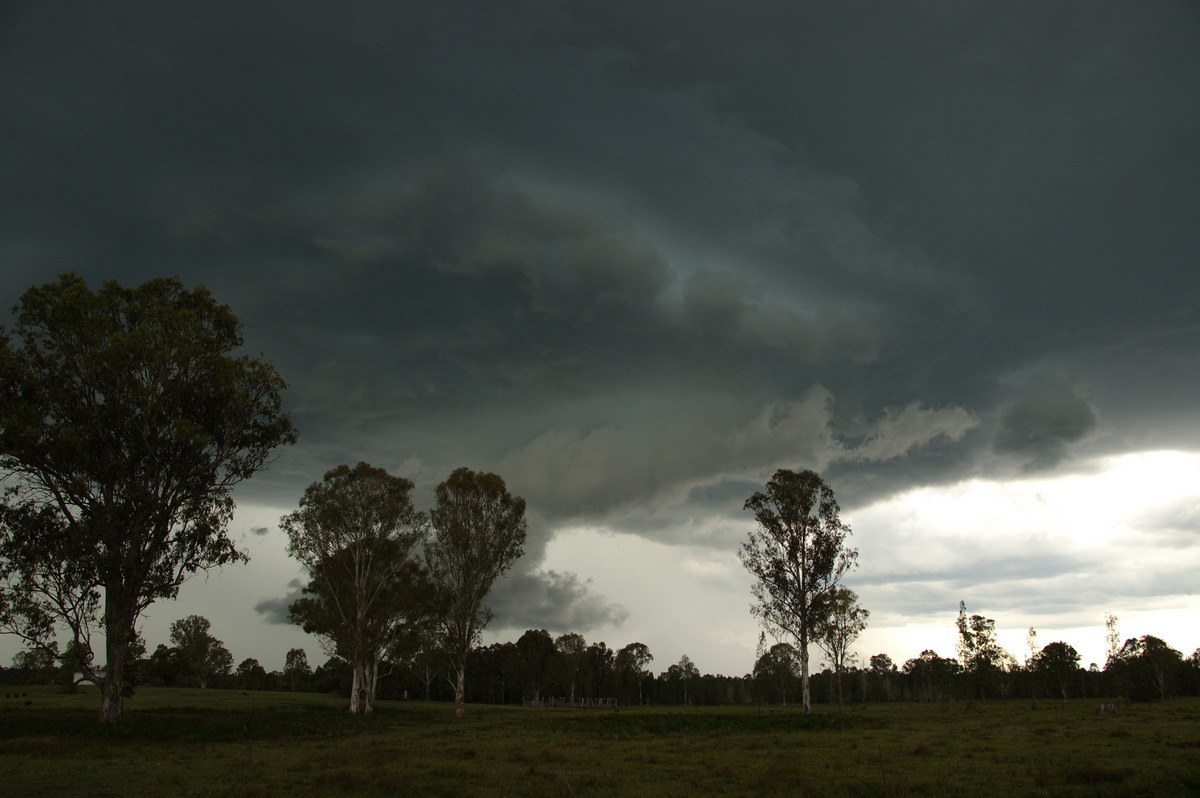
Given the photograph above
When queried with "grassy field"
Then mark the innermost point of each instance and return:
(229, 743)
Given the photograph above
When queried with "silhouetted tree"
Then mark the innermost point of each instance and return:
(931, 677)
(882, 676)
(1058, 663)
(572, 656)
(203, 656)
(125, 422)
(688, 674)
(296, 670)
(354, 532)
(631, 664)
(837, 630)
(797, 555)
(37, 664)
(776, 671)
(535, 656)
(981, 655)
(251, 675)
(1145, 668)
(1192, 672)
(478, 532)
(164, 667)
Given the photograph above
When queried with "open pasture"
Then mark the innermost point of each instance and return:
(182, 742)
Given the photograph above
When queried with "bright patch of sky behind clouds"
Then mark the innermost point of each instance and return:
(634, 257)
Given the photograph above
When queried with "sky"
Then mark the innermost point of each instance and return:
(634, 257)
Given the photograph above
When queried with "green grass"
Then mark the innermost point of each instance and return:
(229, 743)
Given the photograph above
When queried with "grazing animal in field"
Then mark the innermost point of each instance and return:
(1106, 709)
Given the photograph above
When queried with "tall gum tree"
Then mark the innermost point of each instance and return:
(126, 419)
(477, 531)
(355, 532)
(798, 555)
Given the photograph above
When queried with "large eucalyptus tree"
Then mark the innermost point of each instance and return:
(477, 531)
(356, 532)
(798, 555)
(127, 416)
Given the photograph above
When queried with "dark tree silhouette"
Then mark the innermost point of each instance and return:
(477, 533)
(126, 420)
(355, 532)
(798, 555)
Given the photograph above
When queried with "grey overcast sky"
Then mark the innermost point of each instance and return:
(635, 256)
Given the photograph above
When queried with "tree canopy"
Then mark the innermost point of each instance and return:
(355, 532)
(842, 623)
(798, 555)
(980, 653)
(477, 533)
(1058, 662)
(126, 418)
(201, 654)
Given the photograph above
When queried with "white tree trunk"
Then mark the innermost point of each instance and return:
(371, 683)
(356, 671)
(459, 690)
(805, 693)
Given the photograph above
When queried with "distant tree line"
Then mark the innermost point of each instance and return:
(538, 666)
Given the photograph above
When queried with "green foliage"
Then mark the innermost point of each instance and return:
(631, 663)
(572, 656)
(797, 555)
(932, 676)
(844, 620)
(202, 656)
(355, 532)
(477, 533)
(1058, 664)
(535, 656)
(881, 678)
(982, 657)
(1146, 668)
(251, 675)
(777, 674)
(126, 419)
(296, 670)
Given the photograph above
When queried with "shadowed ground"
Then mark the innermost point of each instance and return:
(231, 743)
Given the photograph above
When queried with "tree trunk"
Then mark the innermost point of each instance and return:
(112, 702)
(118, 625)
(459, 689)
(355, 678)
(371, 681)
(805, 693)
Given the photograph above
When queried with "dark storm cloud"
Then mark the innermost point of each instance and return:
(1044, 423)
(560, 602)
(633, 256)
(277, 610)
